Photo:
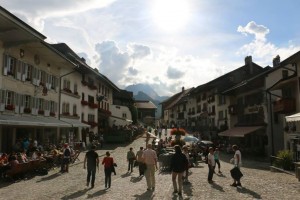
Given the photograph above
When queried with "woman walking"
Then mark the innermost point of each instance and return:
(178, 166)
(237, 160)
(108, 163)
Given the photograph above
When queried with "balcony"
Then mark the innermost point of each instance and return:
(284, 106)
(93, 105)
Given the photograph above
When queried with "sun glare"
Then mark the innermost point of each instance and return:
(170, 15)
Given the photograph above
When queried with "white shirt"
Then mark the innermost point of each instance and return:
(211, 159)
(236, 155)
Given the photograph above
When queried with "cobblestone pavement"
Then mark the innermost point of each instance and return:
(258, 182)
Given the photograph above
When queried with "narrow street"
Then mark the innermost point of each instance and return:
(258, 182)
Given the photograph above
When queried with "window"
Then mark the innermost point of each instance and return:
(90, 99)
(66, 84)
(9, 98)
(28, 70)
(52, 106)
(74, 110)
(124, 115)
(27, 101)
(82, 96)
(54, 82)
(91, 118)
(75, 89)
(43, 77)
(222, 100)
(10, 64)
(41, 104)
(66, 108)
(285, 73)
(221, 115)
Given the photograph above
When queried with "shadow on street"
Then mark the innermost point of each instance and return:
(76, 194)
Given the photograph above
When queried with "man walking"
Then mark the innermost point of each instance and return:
(150, 159)
(92, 160)
(139, 159)
(211, 164)
(130, 159)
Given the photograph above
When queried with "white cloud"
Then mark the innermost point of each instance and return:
(174, 73)
(260, 31)
(133, 71)
(260, 48)
(139, 51)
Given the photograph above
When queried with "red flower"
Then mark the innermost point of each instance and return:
(178, 131)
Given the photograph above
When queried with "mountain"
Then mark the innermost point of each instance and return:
(146, 92)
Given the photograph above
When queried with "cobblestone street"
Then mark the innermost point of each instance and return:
(258, 182)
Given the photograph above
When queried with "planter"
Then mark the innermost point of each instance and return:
(84, 103)
(27, 110)
(41, 112)
(52, 114)
(10, 107)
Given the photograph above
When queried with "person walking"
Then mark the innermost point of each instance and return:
(186, 153)
(139, 159)
(178, 165)
(108, 163)
(237, 160)
(66, 158)
(91, 159)
(211, 164)
(130, 159)
(150, 159)
(217, 159)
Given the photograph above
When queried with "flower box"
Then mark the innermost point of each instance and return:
(52, 114)
(178, 131)
(84, 83)
(93, 124)
(42, 84)
(67, 90)
(84, 103)
(10, 107)
(92, 87)
(75, 115)
(41, 112)
(76, 93)
(66, 113)
(93, 105)
(105, 112)
(27, 110)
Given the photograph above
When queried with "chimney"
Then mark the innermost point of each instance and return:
(82, 59)
(182, 89)
(248, 61)
(276, 61)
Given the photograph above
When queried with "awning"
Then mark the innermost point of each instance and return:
(293, 118)
(75, 123)
(239, 131)
(32, 121)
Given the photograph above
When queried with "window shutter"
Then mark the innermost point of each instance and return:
(2, 100)
(5, 64)
(34, 72)
(19, 69)
(55, 107)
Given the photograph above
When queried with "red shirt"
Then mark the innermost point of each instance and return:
(108, 162)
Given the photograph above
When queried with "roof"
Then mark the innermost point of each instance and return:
(240, 131)
(145, 105)
(172, 101)
(83, 67)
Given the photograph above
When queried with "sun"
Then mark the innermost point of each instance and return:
(170, 15)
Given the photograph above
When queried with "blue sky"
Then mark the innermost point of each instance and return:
(168, 44)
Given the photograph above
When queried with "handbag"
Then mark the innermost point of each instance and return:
(236, 173)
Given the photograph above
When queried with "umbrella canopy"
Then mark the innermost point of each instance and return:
(151, 135)
(190, 138)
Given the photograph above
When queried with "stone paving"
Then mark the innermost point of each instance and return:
(258, 182)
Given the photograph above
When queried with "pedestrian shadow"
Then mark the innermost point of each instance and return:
(76, 194)
(136, 179)
(188, 189)
(47, 178)
(198, 166)
(221, 175)
(217, 187)
(146, 195)
(125, 175)
(96, 194)
(248, 191)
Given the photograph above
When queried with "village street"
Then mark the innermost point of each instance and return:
(258, 182)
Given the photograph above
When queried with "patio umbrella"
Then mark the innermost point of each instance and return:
(190, 138)
(151, 135)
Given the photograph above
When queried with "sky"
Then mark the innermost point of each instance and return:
(168, 44)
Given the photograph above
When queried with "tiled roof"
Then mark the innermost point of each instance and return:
(145, 105)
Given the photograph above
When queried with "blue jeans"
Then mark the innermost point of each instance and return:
(91, 172)
(107, 172)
